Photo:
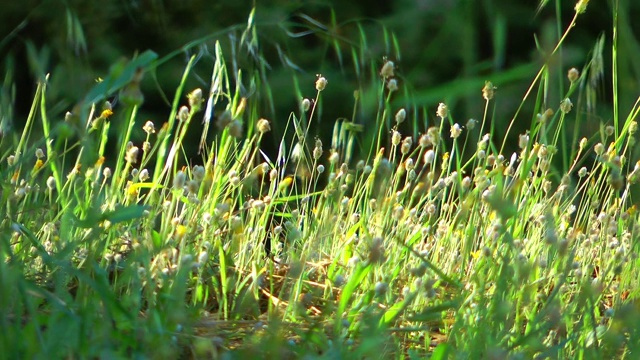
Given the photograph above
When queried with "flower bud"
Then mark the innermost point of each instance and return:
(321, 83)
(566, 105)
(573, 74)
(263, 126)
(149, 127)
(392, 85)
(442, 111)
(195, 100)
(488, 91)
(306, 104)
(401, 115)
(387, 70)
(183, 114)
(456, 130)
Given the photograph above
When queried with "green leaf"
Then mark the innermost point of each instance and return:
(119, 77)
(505, 208)
(435, 312)
(128, 213)
(351, 286)
(157, 239)
(396, 310)
(440, 352)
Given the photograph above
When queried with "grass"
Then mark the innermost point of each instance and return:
(435, 243)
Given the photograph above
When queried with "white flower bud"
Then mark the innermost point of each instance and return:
(321, 83)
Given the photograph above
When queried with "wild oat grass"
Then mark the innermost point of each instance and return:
(436, 242)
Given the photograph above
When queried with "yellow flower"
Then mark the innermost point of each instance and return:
(286, 182)
(106, 113)
(180, 231)
(38, 165)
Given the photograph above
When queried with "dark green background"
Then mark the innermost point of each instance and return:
(449, 48)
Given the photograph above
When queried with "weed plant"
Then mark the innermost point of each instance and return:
(436, 242)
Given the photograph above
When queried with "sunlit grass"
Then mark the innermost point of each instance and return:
(432, 242)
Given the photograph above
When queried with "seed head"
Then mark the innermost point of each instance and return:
(409, 164)
(143, 175)
(387, 70)
(179, 180)
(543, 117)
(183, 114)
(488, 91)
(424, 141)
(598, 149)
(583, 143)
(258, 205)
(429, 156)
(396, 138)
(321, 83)
(392, 85)
(491, 160)
(406, 145)
(573, 75)
(273, 175)
(471, 124)
(149, 127)
(523, 141)
(203, 257)
(263, 126)
(609, 130)
(306, 104)
(198, 172)
(51, 183)
(381, 288)
(195, 100)
(442, 111)
(317, 152)
(132, 155)
(581, 6)
(456, 130)
(334, 158)
(401, 115)
(466, 182)
(582, 172)
(566, 105)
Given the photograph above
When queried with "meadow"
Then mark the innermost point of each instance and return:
(412, 234)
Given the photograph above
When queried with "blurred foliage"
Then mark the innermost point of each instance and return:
(448, 48)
